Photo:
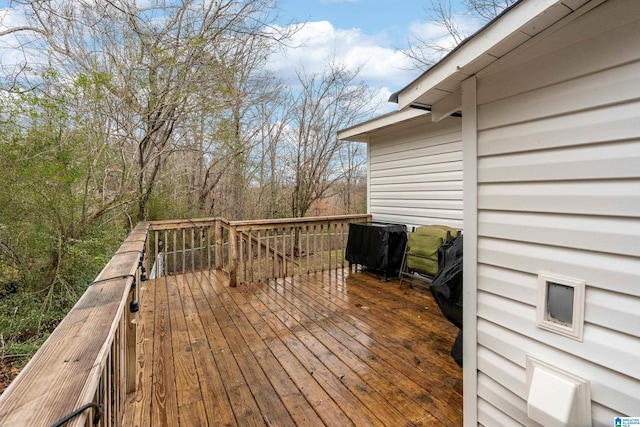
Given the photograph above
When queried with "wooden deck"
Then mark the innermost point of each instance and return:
(334, 348)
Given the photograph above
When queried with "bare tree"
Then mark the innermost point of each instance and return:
(245, 86)
(328, 102)
(425, 51)
(156, 65)
(354, 167)
(274, 117)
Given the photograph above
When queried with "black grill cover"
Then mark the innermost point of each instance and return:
(377, 245)
(456, 350)
(447, 285)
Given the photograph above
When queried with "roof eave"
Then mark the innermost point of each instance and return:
(513, 27)
(361, 131)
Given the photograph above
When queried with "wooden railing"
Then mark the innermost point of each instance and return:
(250, 250)
(82, 374)
(178, 246)
(266, 249)
(88, 364)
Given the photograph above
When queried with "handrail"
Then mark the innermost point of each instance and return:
(303, 220)
(90, 358)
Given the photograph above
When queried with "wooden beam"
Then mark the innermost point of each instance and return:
(233, 257)
(447, 106)
(130, 356)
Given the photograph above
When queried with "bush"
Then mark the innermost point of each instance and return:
(29, 312)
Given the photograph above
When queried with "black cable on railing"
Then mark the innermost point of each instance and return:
(122, 276)
(139, 251)
(143, 270)
(72, 415)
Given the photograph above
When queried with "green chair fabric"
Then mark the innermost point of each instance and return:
(422, 255)
(437, 230)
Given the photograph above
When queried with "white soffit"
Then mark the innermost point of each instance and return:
(515, 27)
(361, 131)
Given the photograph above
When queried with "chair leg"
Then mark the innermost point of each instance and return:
(403, 266)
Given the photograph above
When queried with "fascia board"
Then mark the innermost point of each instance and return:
(462, 60)
(361, 131)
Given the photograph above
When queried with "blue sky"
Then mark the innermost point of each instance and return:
(390, 17)
(359, 33)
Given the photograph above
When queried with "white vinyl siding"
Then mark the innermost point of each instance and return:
(415, 173)
(559, 191)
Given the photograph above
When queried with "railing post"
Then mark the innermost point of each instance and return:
(233, 256)
(147, 257)
(242, 266)
(131, 358)
(219, 243)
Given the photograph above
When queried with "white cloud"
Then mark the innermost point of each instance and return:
(385, 68)
(319, 42)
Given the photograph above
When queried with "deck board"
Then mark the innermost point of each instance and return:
(244, 407)
(218, 410)
(402, 393)
(164, 407)
(333, 348)
(187, 385)
(363, 383)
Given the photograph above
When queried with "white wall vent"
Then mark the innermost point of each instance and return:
(556, 398)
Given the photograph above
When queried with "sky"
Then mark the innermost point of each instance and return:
(370, 34)
(366, 33)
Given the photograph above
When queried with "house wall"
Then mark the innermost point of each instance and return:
(415, 173)
(559, 191)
